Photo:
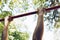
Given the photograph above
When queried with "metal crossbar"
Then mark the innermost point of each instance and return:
(30, 13)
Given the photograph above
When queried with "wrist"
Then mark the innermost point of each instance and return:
(40, 15)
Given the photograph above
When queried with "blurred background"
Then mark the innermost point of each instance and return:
(22, 28)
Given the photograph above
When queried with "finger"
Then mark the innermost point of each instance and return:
(10, 19)
(44, 10)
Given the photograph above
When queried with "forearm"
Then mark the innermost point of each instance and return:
(5, 33)
(5, 29)
(40, 21)
(38, 32)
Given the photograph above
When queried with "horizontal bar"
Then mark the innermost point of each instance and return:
(25, 14)
(30, 13)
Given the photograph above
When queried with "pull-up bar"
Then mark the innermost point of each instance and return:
(29, 13)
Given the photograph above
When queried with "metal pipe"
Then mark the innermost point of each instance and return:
(30, 13)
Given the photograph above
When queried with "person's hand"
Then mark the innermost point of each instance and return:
(7, 20)
(41, 11)
(10, 19)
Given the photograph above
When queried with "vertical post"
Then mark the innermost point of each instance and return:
(38, 32)
(7, 21)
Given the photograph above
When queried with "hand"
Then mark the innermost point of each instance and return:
(41, 11)
(7, 20)
(10, 19)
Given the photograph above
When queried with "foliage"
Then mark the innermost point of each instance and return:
(5, 13)
(15, 34)
(19, 36)
(53, 14)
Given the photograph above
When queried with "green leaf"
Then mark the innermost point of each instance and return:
(0, 2)
(5, 13)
